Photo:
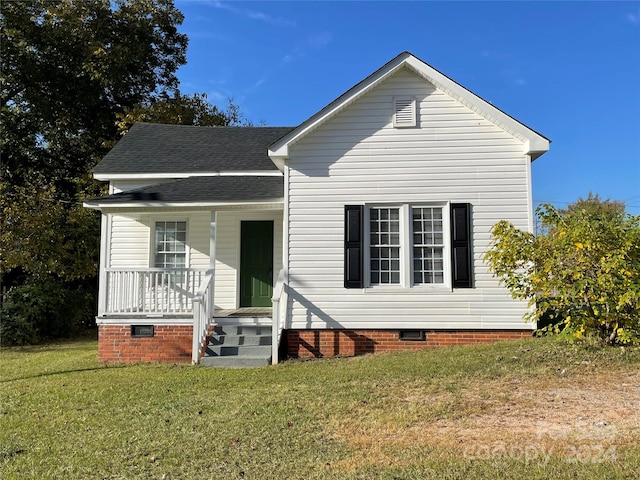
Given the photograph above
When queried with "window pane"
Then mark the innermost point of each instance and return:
(384, 224)
(428, 245)
(170, 244)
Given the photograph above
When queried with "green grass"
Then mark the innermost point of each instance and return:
(431, 414)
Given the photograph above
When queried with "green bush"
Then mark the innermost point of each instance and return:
(35, 312)
(582, 273)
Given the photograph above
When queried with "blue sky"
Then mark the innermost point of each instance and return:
(569, 70)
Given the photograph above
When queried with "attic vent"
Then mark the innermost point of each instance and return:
(404, 112)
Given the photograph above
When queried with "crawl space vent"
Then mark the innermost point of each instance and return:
(412, 335)
(142, 330)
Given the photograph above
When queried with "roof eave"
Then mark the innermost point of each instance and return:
(202, 204)
(535, 144)
(279, 151)
(107, 177)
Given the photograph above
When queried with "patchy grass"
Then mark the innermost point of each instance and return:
(529, 409)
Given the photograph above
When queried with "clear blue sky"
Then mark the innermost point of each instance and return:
(569, 70)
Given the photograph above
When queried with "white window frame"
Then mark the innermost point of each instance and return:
(406, 248)
(152, 248)
(400, 242)
(441, 245)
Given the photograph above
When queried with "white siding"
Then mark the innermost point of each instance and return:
(228, 252)
(129, 246)
(131, 238)
(453, 155)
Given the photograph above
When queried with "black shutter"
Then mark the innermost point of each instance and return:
(461, 245)
(353, 248)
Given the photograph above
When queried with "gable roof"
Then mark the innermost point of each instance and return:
(535, 144)
(217, 190)
(150, 148)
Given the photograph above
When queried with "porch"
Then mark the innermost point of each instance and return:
(185, 296)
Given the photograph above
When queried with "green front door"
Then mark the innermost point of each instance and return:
(256, 264)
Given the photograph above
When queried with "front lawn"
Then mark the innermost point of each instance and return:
(529, 409)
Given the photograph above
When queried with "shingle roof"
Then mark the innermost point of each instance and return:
(157, 148)
(202, 189)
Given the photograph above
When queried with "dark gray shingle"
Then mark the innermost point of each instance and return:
(157, 148)
(203, 189)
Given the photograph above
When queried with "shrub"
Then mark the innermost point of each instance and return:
(583, 272)
(38, 311)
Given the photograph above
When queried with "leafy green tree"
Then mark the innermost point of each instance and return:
(596, 207)
(585, 269)
(181, 109)
(67, 69)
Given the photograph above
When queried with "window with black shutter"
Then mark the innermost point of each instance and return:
(461, 245)
(408, 245)
(353, 248)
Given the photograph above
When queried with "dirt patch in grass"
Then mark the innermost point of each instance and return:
(585, 417)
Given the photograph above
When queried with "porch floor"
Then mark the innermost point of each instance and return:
(259, 312)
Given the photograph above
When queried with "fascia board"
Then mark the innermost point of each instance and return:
(533, 141)
(279, 151)
(106, 177)
(133, 205)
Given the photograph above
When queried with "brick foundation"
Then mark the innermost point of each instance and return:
(349, 343)
(170, 344)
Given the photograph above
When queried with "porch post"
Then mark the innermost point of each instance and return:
(105, 234)
(212, 258)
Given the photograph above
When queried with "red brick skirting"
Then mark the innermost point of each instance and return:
(331, 343)
(170, 343)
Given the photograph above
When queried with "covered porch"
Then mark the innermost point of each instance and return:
(200, 264)
(156, 297)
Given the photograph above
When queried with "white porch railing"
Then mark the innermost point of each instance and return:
(151, 290)
(202, 315)
(279, 303)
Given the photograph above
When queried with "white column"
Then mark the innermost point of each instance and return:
(105, 244)
(212, 257)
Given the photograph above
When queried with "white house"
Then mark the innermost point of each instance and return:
(361, 230)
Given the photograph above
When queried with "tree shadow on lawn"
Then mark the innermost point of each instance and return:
(62, 372)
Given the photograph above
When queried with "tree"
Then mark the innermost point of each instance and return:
(584, 270)
(596, 207)
(67, 70)
(181, 109)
